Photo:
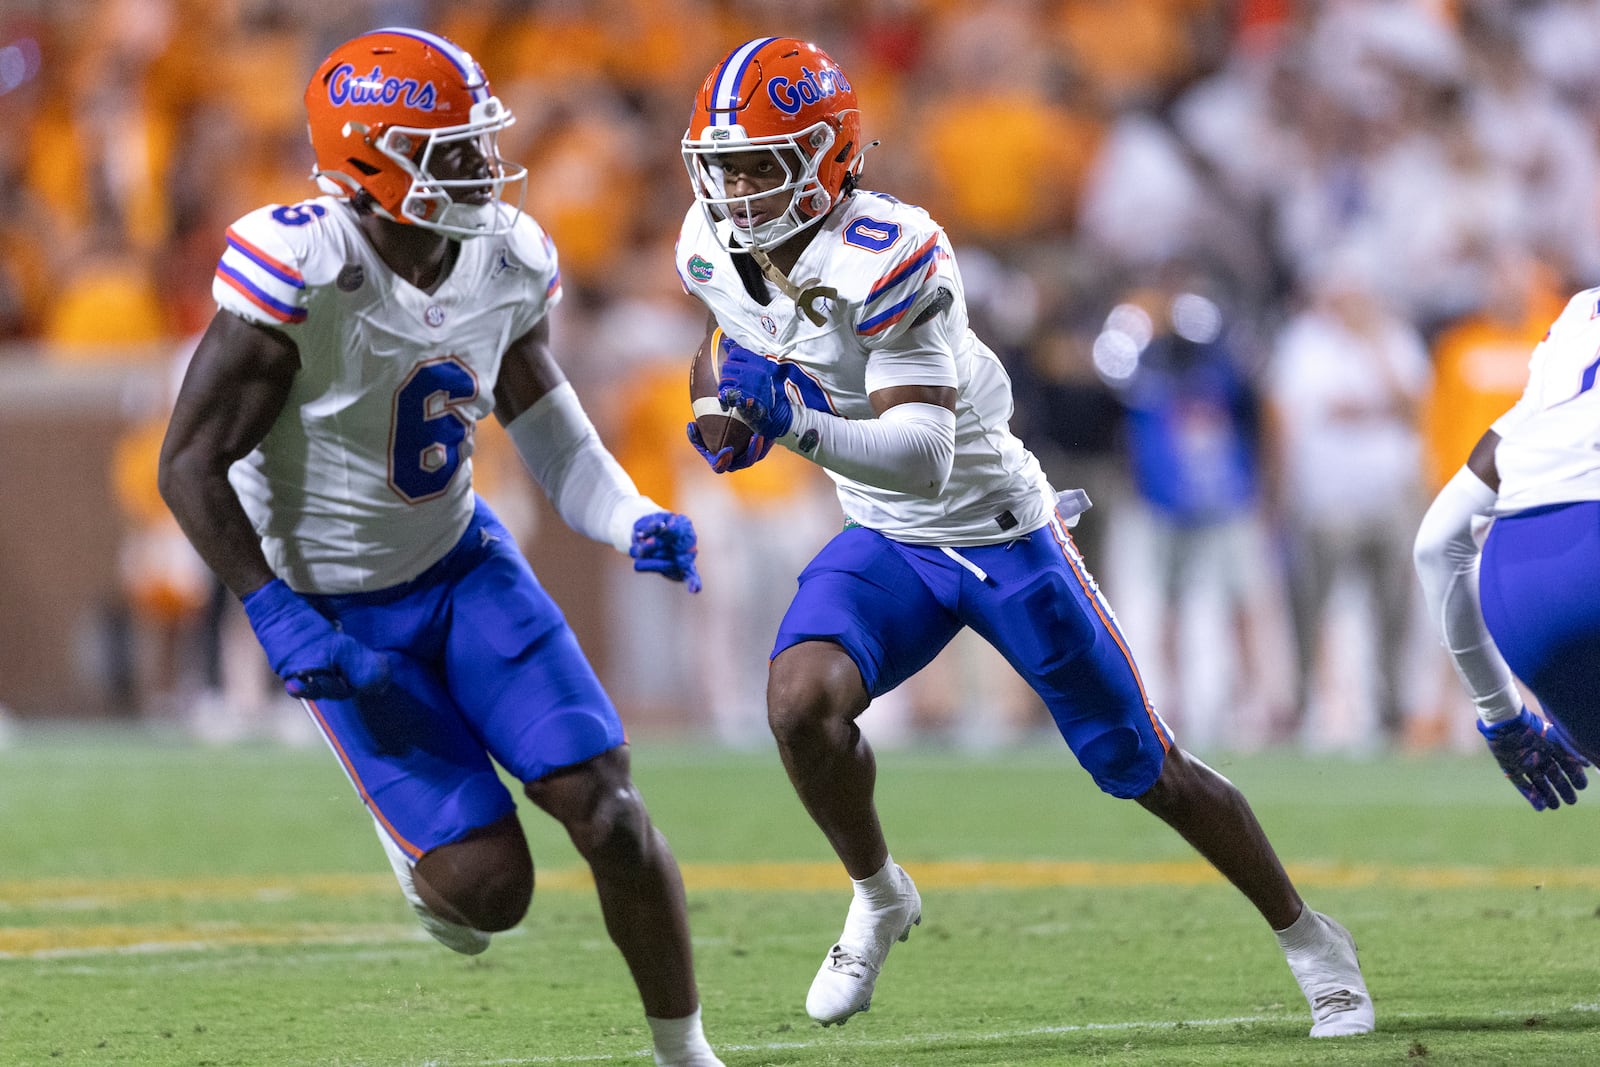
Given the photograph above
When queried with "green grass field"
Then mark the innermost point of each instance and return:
(165, 904)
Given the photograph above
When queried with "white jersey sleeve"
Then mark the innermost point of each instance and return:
(261, 276)
(1549, 451)
(908, 320)
(365, 478)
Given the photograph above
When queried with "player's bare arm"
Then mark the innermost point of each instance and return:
(236, 385)
(1481, 462)
(527, 372)
(940, 396)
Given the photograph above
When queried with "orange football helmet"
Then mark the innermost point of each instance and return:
(389, 105)
(788, 96)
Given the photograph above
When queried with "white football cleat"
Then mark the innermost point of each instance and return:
(844, 984)
(1331, 979)
(453, 936)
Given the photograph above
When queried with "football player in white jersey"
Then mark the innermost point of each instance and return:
(839, 325)
(1523, 607)
(319, 457)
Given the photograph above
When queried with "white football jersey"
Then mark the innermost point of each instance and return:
(890, 265)
(1549, 451)
(365, 480)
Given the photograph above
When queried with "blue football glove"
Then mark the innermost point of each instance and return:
(752, 384)
(315, 660)
(1539, 759)
(727, 460)
(665, 543)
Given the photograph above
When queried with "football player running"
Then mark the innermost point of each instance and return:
(1523, 607)
(319, 457)
(840, 324)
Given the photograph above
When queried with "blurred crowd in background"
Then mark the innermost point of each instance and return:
(1261, 271)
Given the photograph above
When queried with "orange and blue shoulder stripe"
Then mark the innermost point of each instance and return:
(915, 268)
(261, 278)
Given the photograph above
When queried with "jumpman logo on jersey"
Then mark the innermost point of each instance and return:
(503, 263)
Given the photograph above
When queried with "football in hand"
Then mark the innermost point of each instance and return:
(718, 429)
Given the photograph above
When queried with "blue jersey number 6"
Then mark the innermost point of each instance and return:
(299, 214)
(429, 428)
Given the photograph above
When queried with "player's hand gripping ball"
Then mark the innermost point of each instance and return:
(753, 385)
(722, 437)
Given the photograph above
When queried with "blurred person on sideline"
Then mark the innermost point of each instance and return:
(176, 604)
(1480, 360)
(949, 520)
(1193, 434)
(165, 586)
(759, 531)
(319, 458)
(992, 76)
(1480, 365)
(1065, 410)
(1344, 474)
(1522, 606)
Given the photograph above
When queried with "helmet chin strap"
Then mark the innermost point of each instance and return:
(805, 295)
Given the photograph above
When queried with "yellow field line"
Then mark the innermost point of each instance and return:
(83, 894)
(86, 892)
(989, 874)
(111, 937)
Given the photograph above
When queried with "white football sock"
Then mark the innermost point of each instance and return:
(680, 1040)
(879, 889)
(1305, 932)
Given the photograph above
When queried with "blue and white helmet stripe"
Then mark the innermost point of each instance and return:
(726, 93)
(471, 74)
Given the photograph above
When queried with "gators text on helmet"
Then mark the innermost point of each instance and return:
(787, 96)
(386, 106)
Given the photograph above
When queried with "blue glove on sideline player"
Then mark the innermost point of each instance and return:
(315, 660)
(665, 543)
(753, 385)
(1539, 759)
(726, 460)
